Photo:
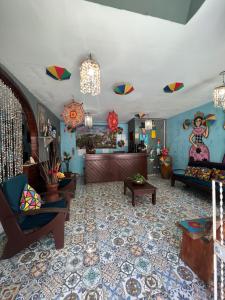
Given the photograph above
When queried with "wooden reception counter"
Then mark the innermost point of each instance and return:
(114, 167)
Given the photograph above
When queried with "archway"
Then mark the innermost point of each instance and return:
(31, 122)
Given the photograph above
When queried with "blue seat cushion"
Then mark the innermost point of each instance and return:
(64, 182)
(39, 220)
(13, 189)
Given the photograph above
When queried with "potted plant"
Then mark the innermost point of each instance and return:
(49, 172)
(121, 143)
(138, 179)
(165, 163)
(90, 148)
(66, 159)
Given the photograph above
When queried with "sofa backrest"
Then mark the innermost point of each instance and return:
(207, 164)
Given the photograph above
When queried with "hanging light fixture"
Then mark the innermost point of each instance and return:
(90, 77)
(88, 120)
(148, 124)
(219, 94)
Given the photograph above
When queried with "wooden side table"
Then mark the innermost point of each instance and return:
(140, 190)
(197, 252)
(70, 185)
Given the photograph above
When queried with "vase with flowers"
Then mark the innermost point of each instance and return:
(165, 163)
(50, 174)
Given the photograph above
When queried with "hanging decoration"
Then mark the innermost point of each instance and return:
(123, 89)
(58, 73)
(148, 124)
(140, 115)
(219, 94)
(90, 77)
(153, 132)
(112, 121)
(88, 121)
(73, 115)
(173, 87)
(11, 149)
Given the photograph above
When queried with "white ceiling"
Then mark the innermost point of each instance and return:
(145, 51)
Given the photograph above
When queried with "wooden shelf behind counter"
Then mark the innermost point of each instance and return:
(114, 167)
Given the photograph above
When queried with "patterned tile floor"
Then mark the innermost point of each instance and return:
(112, 250)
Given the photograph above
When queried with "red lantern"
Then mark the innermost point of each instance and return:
(112, 121)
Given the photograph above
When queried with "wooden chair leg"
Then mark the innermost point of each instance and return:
(172, 181)
(68, 216)
(58, 234)
(12, 248)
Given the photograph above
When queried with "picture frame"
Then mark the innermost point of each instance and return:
(42, 121)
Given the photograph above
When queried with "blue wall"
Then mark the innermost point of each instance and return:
(178, 138)
(68, 141)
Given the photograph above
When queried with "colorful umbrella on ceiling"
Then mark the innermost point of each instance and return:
(58, 73)
(173, 87)
(123, 89)
(140, 115)
(73, 114)
(112, 121)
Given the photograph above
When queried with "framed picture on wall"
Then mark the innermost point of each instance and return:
(99, 135)
(42, 121)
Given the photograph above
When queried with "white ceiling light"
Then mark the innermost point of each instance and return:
(90, 77)
(148, 124)
(219, 94)
(88, 121)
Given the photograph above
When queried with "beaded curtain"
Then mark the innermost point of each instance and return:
(11, 152)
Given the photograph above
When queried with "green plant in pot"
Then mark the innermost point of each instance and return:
(66, 159)
(138, 179)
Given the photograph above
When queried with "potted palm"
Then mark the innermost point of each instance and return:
(50, 172)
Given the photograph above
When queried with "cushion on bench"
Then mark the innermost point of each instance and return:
(39, 220)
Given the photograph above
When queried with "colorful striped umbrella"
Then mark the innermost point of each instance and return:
(173, 87)
(209, 120)
(58, 73)
(123, 89)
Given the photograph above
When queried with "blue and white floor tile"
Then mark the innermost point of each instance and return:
(112, 250)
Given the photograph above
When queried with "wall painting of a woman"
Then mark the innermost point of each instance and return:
(199, 151)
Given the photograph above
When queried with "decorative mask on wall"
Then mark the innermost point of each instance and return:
(186, 124)
(73, 115)
(112, 121)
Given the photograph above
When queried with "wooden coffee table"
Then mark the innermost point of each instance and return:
(139, 190)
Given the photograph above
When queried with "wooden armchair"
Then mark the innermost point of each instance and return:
(23, 228)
